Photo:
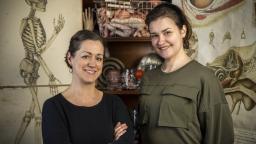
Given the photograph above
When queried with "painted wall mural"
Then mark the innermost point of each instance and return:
(32, 49)
(33, 37)
(205, 12)
(226, 34)
(236, 69)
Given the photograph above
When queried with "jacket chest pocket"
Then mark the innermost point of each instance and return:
(177, 106)
(146, 91)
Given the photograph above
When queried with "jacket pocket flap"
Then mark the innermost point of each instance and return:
(181, 91)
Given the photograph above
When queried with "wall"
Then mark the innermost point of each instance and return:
(15, 96)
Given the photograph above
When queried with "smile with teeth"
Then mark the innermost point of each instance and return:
(90, 71)
(163, 47)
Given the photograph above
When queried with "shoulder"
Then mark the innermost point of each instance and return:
(54, 100)
(202, 71)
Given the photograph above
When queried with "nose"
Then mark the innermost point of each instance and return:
(92, 62)
(161, 39)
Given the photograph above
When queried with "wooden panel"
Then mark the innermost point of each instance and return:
(130, 52)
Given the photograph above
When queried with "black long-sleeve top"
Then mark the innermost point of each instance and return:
(66, 123)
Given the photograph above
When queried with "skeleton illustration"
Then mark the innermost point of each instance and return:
(34, 41)
(236, 70)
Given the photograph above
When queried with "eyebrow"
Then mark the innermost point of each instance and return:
(164, 30)
(91, 53)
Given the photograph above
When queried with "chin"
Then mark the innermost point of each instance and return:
(164, 56)
(89, 81)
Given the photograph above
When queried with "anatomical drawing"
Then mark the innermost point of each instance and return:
(33, 36)
(204, 12)
(243, 36)
(236, 69)
(227, 36)
(211, 38)
(193, 46)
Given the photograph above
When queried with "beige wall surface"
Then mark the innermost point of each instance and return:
(15, 96)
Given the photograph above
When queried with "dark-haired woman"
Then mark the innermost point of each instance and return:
(182, 101)
(83, 114)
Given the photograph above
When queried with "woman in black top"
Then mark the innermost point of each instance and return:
(83, 114)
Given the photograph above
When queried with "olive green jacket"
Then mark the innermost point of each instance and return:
(187, 106)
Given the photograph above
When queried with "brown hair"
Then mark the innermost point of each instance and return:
(176, 14)
(77, 39)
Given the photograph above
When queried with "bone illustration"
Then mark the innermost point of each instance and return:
(34, 40)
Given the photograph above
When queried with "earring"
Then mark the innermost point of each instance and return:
(70, 70)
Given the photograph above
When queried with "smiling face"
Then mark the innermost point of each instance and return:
(87, 63)
(166, 37)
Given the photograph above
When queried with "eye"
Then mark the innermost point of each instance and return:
(153, 36)
(167, 33)
(99, 59)
(85, 56)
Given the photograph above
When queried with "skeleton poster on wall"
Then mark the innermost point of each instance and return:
(32, 49)
(35, 43)
(226, 44)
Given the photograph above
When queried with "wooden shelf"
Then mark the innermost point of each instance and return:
(128, 39)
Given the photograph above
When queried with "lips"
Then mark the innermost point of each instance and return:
(89, 71)
(163, 47)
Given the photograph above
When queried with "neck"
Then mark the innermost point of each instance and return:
(32, 12)
(176, 63)
(82, 90)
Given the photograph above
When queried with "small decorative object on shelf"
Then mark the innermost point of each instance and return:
(113, 80)
(122, 18)
(138, 75)
(110, 64)
(149, 62)
(88, 21)
(128, 79)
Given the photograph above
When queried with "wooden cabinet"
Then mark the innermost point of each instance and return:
(129, 50)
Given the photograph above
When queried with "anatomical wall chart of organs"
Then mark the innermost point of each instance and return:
(204, 12)
(236, 69)
(35, 43)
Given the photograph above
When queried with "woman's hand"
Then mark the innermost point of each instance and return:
(120, 129)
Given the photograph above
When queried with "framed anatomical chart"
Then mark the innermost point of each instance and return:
(32, 50)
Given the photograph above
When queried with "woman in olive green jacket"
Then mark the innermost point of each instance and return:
(182, 101)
